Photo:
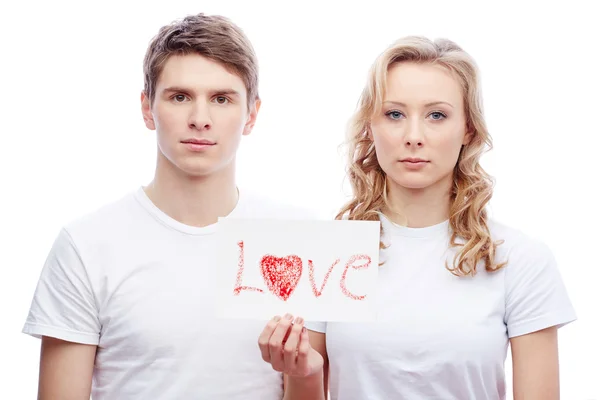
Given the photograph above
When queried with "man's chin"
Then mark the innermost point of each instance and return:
(205, 170)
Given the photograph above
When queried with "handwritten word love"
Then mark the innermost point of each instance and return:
(282, 274)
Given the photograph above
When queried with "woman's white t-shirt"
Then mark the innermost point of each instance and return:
(439, 336)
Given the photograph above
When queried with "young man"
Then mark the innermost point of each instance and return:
(124, 305)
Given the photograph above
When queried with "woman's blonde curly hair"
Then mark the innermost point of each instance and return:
(472, 186)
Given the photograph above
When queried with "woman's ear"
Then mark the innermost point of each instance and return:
(468, 137)
(469, 134)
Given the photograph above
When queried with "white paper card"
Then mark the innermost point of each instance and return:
(319, 270)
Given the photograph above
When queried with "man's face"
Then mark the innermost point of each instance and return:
(200, 113)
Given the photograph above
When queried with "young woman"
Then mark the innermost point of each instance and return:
(455, 287)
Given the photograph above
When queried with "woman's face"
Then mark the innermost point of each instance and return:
(421, 128)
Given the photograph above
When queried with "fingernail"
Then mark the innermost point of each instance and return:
(299, 320)
(288, 316)
(277, 318)
(303, 329)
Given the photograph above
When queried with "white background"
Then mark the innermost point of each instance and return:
(72, 136)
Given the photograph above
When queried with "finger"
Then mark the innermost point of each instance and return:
(287, 334)
(302, 366)
(263, 339)
(276, 342)
(290, 349)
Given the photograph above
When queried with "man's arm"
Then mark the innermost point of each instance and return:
(65, 370)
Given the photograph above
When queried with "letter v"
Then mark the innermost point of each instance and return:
(311, 277)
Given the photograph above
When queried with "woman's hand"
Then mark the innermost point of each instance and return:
(284, 344)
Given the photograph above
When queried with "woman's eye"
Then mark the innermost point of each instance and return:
(436, 115)
(394, 114)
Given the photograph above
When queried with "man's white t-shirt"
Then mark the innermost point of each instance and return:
(141, 286)
(439, 336)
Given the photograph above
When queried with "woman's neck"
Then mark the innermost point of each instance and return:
(419, 208)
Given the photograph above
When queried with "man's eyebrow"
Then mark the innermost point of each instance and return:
(213, 92)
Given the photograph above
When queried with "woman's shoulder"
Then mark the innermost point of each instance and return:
(516, 244)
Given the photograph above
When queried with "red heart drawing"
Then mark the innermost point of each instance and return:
(281, 274)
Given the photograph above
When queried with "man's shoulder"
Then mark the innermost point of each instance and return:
(105, 217)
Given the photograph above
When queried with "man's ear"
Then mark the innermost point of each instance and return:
(147, 111)
(254, 108)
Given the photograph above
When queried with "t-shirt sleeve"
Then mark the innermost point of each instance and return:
(316, 326)
(63, 304)
(536, 297)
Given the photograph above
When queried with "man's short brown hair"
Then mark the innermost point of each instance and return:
(212, 36)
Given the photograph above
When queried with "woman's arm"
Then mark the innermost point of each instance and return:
(297, 387)
(535, 365)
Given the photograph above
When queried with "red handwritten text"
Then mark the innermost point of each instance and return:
(311, 277)
(238, 281)
(348, 264)
(281, 274)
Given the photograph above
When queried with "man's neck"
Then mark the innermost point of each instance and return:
(192, 200)
(419, 208)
